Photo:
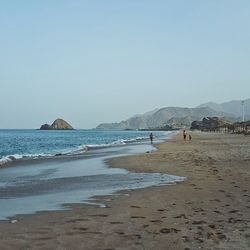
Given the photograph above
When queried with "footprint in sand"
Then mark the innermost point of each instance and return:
(198, 222)
(120, 233)
(116, 222)
(93, 232)
(76, 220)
(137, 217)
(211, 226)
(199, 209)
(99, 215)
(156, 221)
(217, 200)
(80, 228)
(133, 236)
(161, 210)
(217, 212)
(181, 216)
(169, 230)
(233, 211)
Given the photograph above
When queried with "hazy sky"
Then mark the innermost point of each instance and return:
(104, 61)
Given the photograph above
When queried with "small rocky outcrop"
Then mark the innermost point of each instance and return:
(45, 127)
(58, 124)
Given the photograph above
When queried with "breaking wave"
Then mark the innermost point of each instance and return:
(74, 151)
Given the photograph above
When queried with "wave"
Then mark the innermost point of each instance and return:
(15, 157)
(67, 152)
(120, 142)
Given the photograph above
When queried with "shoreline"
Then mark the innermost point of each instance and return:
(90, 148)
(210, 209)
(49, 184)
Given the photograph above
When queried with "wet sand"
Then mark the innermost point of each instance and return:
(210, 210)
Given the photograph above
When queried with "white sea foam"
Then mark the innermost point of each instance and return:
(10, 158)
(77, 150)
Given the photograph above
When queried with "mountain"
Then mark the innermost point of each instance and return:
(233, 107)
(173, 116)
(58, 124)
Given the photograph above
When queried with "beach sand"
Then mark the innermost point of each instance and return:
(209, 210)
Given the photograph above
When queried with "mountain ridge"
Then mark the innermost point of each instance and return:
(234, 107)
(174, 116)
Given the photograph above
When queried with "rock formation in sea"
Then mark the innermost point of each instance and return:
(58, 124)
(45, 127)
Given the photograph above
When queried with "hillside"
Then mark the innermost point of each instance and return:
(174, 116)
(233, 107)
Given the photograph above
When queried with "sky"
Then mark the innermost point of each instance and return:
(97, 61)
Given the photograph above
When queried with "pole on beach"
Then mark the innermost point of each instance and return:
(243, 110)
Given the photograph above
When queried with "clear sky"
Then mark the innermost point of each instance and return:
(106, 60)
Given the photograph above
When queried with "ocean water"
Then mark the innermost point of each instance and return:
(31, 144)
(44, 170)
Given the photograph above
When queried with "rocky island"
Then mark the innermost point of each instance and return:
(58, 124)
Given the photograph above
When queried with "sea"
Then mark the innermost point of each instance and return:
(48, 170)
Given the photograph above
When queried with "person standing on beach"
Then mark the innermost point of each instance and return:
(184, 135)
(151, 137)
(190, 137)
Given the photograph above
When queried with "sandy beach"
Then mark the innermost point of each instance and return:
(209, 210)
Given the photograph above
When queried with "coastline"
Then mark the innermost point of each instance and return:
(209, 210)
(49, 145)
(49, 183)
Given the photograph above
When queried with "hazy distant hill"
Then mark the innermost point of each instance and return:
(233, 107)
(174, 116)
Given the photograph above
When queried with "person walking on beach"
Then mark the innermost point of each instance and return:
(151, 137)
(189, 137)
(184, 135)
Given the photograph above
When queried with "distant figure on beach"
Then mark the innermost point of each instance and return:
(189, 137)
(151, 137)
(184, 135)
